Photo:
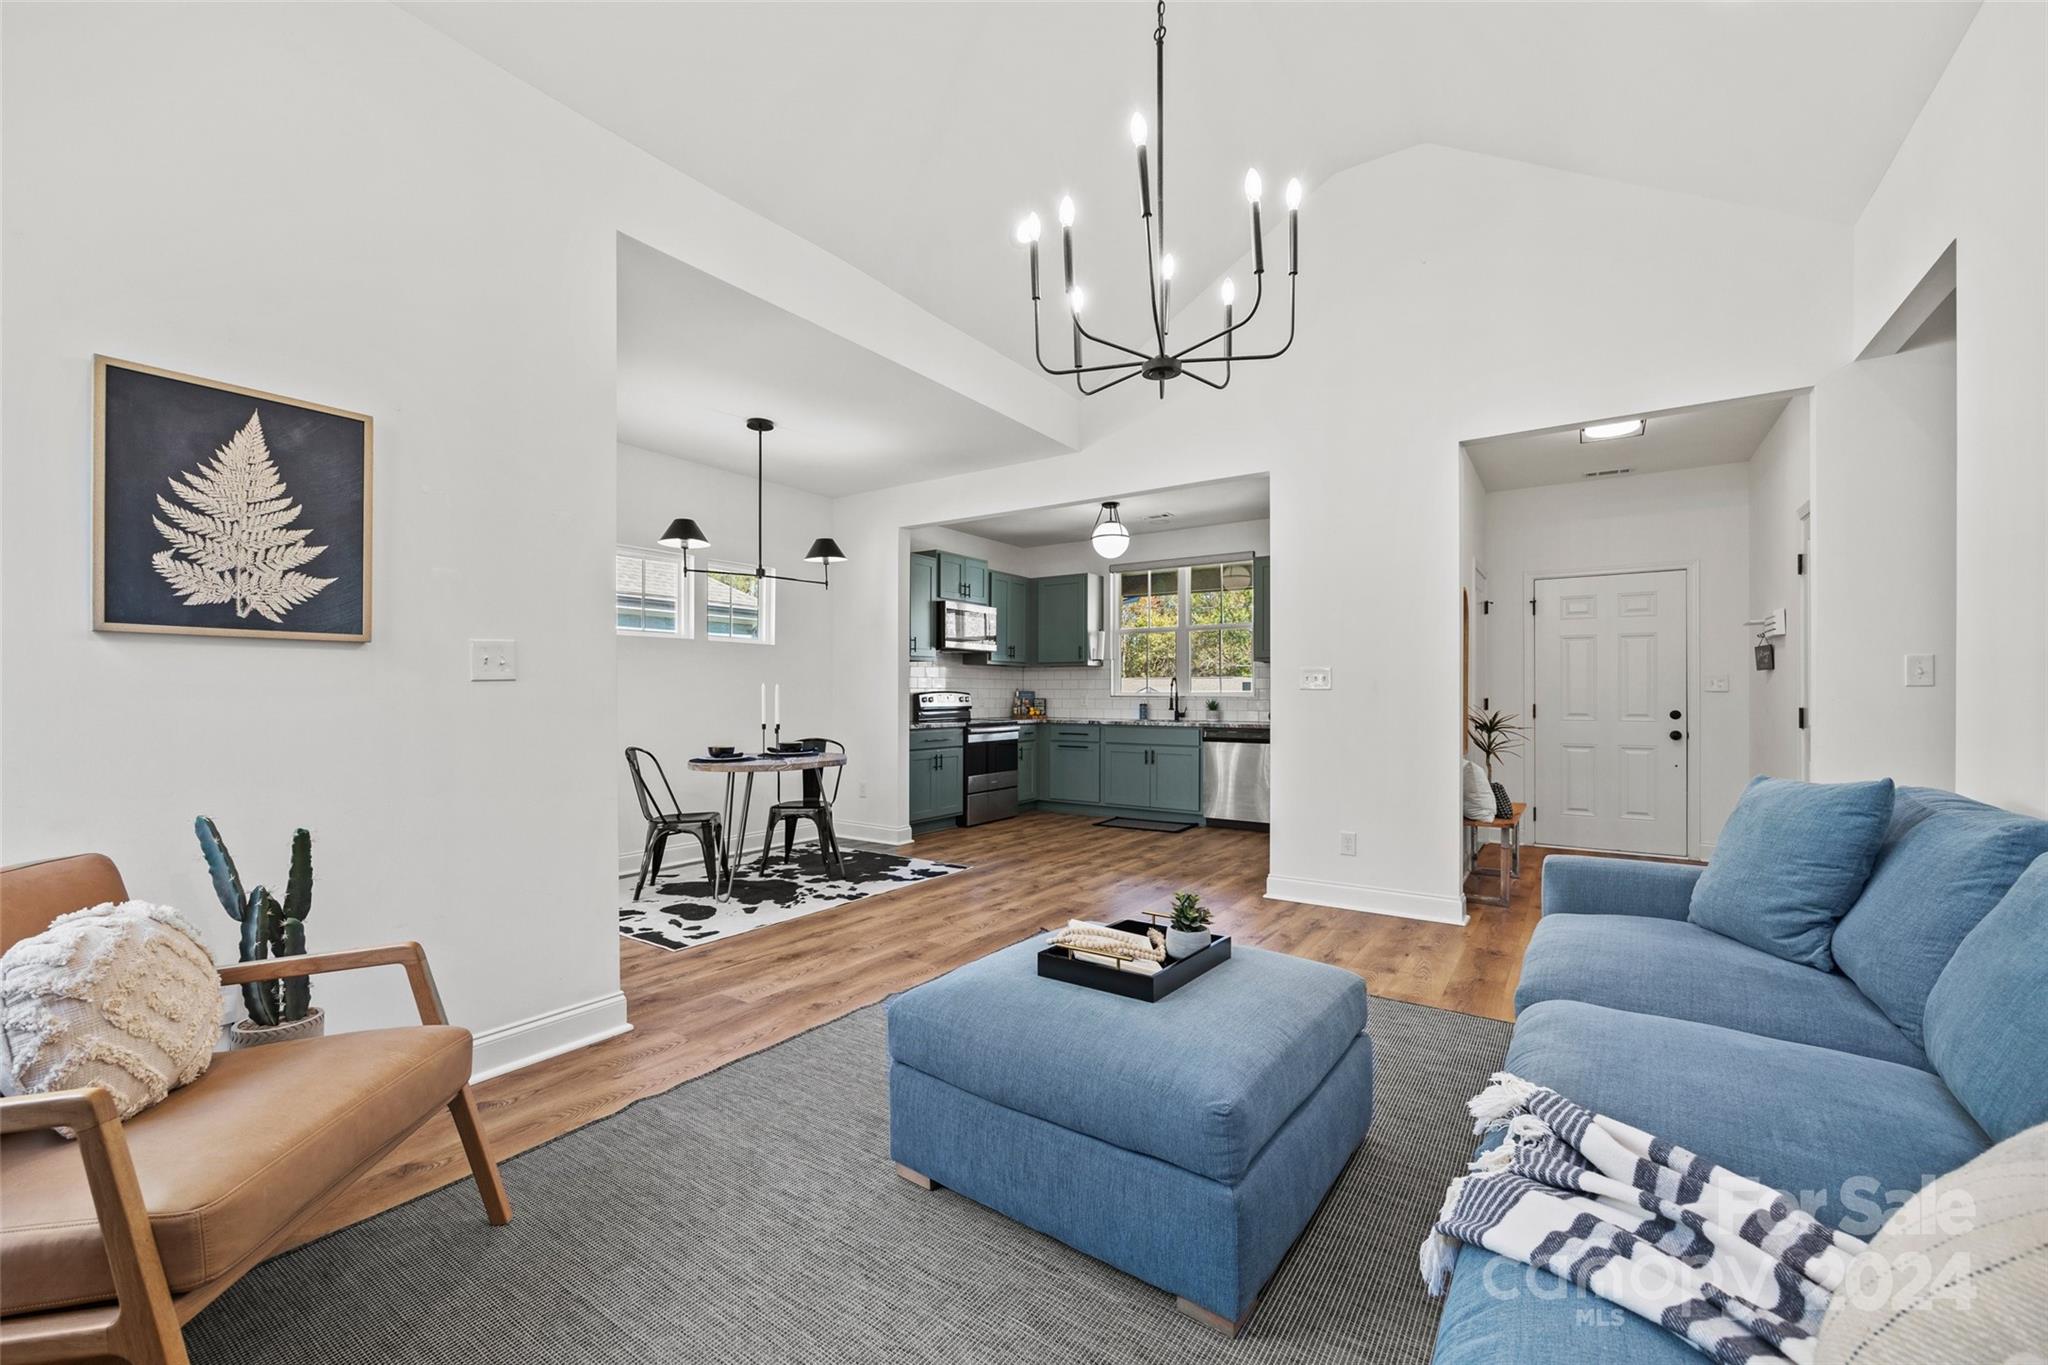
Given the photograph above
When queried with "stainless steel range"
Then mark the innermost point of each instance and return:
(991, 757)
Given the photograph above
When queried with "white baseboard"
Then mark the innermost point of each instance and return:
(1374, 900)
(515, 1045)
(888, 835)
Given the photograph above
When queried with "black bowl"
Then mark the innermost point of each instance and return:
(723, 751)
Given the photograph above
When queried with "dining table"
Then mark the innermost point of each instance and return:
(810, 762)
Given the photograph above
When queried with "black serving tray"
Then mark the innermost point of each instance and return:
(1055, 963)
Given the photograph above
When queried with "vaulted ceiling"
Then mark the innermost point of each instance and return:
(908, 139)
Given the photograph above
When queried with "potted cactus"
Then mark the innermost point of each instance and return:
(1188, 932)
(279, 1011)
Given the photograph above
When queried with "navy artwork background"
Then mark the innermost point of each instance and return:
(158, 428)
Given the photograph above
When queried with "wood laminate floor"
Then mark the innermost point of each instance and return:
(696, 1010)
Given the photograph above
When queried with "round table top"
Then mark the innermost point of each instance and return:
(767, 763)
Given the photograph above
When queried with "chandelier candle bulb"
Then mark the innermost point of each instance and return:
(1258, 240)
(1294, 227)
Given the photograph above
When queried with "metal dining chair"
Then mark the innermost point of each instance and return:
(814, 806)
(705, 825)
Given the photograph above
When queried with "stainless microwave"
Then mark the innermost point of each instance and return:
(967, 627)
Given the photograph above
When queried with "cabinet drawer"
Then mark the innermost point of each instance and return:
(1076, 734)
(948, 738)
(1153, 736)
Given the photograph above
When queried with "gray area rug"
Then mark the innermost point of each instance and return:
(753, 1215)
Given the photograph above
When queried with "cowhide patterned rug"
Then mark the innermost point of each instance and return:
(680, 913)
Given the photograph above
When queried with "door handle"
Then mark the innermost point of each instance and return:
(1678, 734)
(1674, 715)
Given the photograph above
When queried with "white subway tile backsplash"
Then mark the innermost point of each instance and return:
(1077, 693)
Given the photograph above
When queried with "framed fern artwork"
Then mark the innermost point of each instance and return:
(220, 510)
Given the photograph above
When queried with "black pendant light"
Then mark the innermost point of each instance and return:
(685, 534)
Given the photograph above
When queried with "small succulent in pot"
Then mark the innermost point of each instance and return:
(278, 1010)
(1188, 932)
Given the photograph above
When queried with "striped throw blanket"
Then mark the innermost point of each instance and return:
(1730, 1266)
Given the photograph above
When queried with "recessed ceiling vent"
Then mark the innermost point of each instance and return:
(1607, 473)
(1160, 516)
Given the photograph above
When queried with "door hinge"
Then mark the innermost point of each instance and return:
(1486, 607)
(1532, 606)
(1799, 563)
(1486, 703)
(1532, 814)
(1532, 710)
(1802, 718)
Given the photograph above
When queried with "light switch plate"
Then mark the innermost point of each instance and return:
(1347, 843)
(493, 660)
(1718, 683)
(1315, 679)
(1919, 670)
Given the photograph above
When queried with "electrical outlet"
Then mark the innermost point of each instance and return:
(1347, 843)
(493, 660)
(1315, 679)
(1919, 670)
(860, 789)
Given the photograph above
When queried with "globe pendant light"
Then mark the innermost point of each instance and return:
(685, 534)
(1110, 537)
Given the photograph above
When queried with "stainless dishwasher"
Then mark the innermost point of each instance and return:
(1237, 775)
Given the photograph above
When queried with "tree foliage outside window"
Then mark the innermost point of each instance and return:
(737, 606)
(648, 593)
(1192, 625)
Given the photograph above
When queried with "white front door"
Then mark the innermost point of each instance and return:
(1610, 722)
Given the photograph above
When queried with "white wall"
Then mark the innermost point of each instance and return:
(1780, 488)
(1696, 519)
(676, 697)
(1472, 561)
(336, 202)
(1496, 296)
(1974, 171)
(1884, 572)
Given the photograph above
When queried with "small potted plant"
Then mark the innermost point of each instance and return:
(1215, 707)
(1188, 932)
(1496, 735)
(279, 1011)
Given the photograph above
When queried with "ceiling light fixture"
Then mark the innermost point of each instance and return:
(685, 534)
(1157, 363)
(1110, 536)
(1613, 431)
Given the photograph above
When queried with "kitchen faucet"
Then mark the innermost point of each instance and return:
(1173, 699)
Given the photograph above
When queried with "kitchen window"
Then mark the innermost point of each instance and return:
(648, 597)
(738, 605)
(1190, 625)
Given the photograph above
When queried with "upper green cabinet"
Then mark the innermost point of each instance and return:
(1011, 597)
(1061, 631)
(1262, 597)
(923, 607)
(962, 579)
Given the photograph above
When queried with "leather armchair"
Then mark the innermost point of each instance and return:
(111, 1243)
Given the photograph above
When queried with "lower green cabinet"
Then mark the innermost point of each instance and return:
(1073, 771)
(1027, 766)
(1177, 780)
(1166, 775)
(937, 776)
(1126, 775)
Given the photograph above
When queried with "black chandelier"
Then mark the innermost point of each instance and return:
(686, 535)
(1159, 363)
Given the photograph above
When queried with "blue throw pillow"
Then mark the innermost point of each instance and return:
(1987, 1016)
(1790, 862)
(1945, 863)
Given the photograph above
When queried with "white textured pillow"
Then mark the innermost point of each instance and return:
(1960, 1272)
(123, 996)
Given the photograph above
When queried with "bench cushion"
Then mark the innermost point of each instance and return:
(1946, 861)
(1677, 969)
(225, 1163)
(1201, 1079)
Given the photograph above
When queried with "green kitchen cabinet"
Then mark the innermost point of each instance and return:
(1011, 597)
(1177, 780)
(1061, 631)
(962, 579)
(1262, 596)
(1073, 765)
(1126, 775)
(937, 780)
(924, 606)
(1027, 765)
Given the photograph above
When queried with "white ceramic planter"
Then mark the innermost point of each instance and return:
(1182, 943)
(247, 1033)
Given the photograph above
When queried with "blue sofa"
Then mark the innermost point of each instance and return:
(1845, 1088)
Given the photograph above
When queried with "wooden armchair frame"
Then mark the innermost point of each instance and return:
(144, 1324)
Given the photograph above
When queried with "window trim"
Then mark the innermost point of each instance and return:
(685, 616)
(764, 592)
(1183, 632)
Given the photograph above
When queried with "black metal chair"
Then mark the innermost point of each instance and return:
(814, 806)
(705, 825)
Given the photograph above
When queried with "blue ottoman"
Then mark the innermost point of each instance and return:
(1186, 1142)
